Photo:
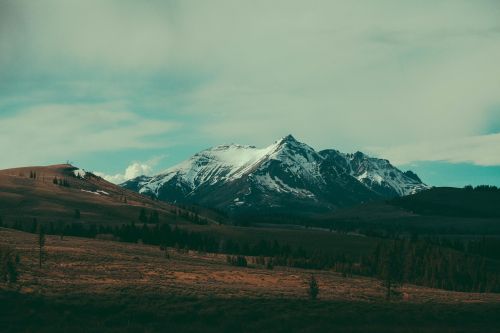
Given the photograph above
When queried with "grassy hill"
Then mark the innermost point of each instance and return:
(54, 194)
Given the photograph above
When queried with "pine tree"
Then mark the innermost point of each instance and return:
(142, 216)
(154, 217)
(34, 226)
(41, 244)
(9, 260)
(390, 267)
(313, 290)
(77, 214)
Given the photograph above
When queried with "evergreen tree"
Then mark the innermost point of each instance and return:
(313, 290)
(154, 217)
(142, 216)
(41, 244)
(34, 226)
(9, 260)
(391, 270)
(77, 214)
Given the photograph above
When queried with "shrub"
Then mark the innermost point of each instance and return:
(240, 261)
(9, 260)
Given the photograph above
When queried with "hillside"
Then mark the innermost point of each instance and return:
(481, 202)
(55, 194)
(441, 210)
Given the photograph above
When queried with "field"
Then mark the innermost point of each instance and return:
(97, 285)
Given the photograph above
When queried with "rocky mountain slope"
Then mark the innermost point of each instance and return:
(285, 177)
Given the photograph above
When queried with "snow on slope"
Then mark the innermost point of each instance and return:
(285, 167)
(219, 164)
(375, 172)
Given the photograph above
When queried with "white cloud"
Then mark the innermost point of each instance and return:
(479, 150)
(54, 133)
(134, 170)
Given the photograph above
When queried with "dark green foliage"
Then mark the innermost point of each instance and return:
(77, 214)
(154, 217)
(9, 260)
(60, 182)
(41, 245)
(142, 216)
(239, 261)
(34, 225)
(389, 266)
(423, 263)
(313, 288)
(481, 201)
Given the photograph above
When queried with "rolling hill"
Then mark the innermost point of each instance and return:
(63, 193)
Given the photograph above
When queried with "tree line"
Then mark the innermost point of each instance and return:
(411, 260)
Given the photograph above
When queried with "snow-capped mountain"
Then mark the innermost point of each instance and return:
(287, 176)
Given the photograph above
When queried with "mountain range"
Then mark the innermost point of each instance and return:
(287, 177)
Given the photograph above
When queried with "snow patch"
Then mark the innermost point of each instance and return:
(97, 192)
(79, 173)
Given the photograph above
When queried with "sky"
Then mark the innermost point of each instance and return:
(125, 87)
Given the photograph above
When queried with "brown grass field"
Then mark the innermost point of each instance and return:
(97, 285)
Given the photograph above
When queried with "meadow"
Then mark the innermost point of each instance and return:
(91, 285)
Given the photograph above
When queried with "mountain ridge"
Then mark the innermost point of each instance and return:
(287, 174)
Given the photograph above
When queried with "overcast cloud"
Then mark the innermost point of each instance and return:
(407, 80)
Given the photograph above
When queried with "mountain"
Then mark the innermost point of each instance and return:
(286, 177)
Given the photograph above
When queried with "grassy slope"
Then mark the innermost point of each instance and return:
(23, 198)
(92, 285)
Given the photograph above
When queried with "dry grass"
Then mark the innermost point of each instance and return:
(89, 285)
(74, 265)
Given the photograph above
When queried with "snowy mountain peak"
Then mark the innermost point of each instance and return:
(233, 177)
(288, 138)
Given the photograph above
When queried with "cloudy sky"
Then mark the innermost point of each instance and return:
(129, 87)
